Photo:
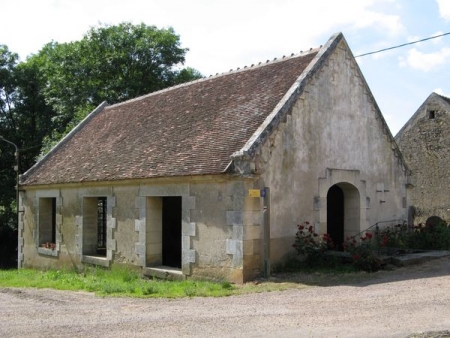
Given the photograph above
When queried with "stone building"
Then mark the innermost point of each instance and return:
(425, 144)
(210, 178)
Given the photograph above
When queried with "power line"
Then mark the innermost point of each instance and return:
(405, 44)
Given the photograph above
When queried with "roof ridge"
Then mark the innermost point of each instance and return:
(217, 75)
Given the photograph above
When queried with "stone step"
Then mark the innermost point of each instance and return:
(163, 272)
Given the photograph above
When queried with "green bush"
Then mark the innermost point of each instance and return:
(430, 236)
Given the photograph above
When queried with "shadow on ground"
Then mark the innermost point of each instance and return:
(431, 334)
(423, 265)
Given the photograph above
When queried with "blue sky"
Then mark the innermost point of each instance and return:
(224, 35)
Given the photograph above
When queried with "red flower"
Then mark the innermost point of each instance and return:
(385, 241)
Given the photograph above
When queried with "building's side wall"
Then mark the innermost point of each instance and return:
(224, 214)
(425, 144)
(220, 226)
(333, 134)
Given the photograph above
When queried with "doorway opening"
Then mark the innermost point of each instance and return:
(163, 235)
(343, 212)
(171, 231)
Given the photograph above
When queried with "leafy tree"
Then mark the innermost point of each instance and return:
(8, 216)
(8, 62)
(8, 126)
(25, 119)
(187, 74)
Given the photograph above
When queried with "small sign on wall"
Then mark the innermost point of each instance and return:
(254, 193)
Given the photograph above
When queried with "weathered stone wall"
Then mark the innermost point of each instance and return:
(333, 135)
(220, 226)
(425, 144)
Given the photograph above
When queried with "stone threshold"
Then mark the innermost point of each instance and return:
(163, 272)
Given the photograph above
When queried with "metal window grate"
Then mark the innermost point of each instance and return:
(101, 223)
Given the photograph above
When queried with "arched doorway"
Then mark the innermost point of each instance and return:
(343, 212)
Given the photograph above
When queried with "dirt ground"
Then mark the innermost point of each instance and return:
(406, 302)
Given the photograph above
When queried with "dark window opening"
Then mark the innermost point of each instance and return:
(47, 222)
(431, 114)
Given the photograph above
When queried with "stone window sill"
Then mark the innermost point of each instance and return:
(48, 252)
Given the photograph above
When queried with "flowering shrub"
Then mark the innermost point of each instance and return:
(311, 245)
(393, 237)
(363, 254)
(364, 251)
(424, 236)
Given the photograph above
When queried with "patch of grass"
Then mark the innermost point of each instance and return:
(119, 281)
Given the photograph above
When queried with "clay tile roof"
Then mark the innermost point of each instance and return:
(191, 129)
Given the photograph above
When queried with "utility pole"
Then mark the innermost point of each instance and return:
(266, 229)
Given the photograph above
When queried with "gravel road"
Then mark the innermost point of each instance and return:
(395, 303)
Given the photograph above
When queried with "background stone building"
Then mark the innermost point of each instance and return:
(425, 144)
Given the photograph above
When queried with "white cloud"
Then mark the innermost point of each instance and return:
(391, 23)
(444, 9)
(441, 92)
(425, 61)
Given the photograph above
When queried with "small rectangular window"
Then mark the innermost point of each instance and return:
(431, 114)
(47, 222)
